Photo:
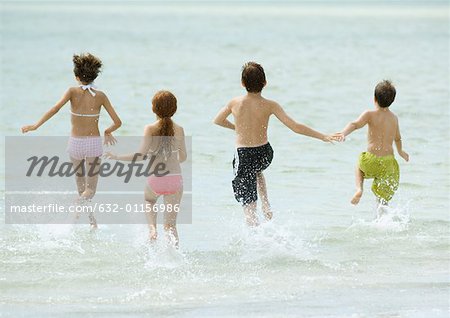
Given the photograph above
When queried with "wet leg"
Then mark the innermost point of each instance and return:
(172, 204)
(359, 181)
(262, 193)
(150, 201)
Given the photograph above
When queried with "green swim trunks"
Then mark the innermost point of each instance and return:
(385, 172)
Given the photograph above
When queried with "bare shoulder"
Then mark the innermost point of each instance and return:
(150, 129)
(72, 90)
(178, 130)
(395, 119)
(101, 94)
(69, 92)
(235, 101)
(271, 104)
(368, 114)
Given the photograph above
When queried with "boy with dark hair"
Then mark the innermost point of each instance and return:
(379, 162)
(253, 153)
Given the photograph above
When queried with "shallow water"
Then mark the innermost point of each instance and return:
(320, 257)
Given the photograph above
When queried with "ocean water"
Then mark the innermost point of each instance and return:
(320, 256)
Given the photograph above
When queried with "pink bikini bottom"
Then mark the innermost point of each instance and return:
(85, 147)
(169, 184)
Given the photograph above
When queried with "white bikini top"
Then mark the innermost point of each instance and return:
(90, 88)
(153, 151)
(163, 152)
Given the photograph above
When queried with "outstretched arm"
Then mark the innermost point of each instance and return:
(356, 124)
(222, 117)
(50, 113)
(398, 144)
(296, 127)
(109, 139)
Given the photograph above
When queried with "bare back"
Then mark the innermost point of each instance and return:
(251, 119)
(383, 130)
(153, 142)
(83, 103)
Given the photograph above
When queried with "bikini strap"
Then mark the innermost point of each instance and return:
(84, 115)
(90, 87)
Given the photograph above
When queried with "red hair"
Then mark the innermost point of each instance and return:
(164, 105)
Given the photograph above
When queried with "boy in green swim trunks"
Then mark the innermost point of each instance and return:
(378, 162)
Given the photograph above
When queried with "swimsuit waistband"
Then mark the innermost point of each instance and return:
(385, 156)
(255, 147)
(167, 175)
(85, 137)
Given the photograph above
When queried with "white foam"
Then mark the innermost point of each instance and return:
(269, 241)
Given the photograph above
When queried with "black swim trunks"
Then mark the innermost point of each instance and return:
(247, 162)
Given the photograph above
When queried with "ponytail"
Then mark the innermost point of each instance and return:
(164, 105)
(166, 127)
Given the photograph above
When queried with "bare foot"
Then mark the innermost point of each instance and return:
(356, 197)
(153, 235)
(267, 212)
(94, 227)
(93, 223)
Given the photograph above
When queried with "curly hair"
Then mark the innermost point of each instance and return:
(86, 67)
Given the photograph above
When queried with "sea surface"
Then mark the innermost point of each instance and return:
(320, 256)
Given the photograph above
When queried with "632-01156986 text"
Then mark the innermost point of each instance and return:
(96, 208)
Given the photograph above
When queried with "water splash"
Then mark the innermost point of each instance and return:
(162, 255)
(387, 218)
(269, 242)
(156, 254)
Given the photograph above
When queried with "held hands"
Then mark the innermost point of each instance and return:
(28, 128)
(339, 137)
(327, 138)
(404, 155)
(109, 139)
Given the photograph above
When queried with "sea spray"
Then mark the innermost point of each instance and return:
(388, 218)
(269, 242)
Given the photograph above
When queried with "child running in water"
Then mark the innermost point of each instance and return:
(163, 140)
(254, 154)
(378, 162)
(85, 144)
